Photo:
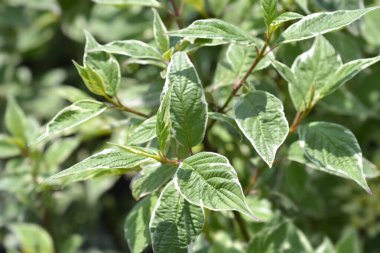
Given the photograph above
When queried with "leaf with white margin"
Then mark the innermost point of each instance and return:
(136, 226)
(160, 33)
(131, 48)
(151, 178)
(72, 116)
(335, 148)
(215, 29)
(108, 162)
(175, 222)
(297, 154)
(270, 10)
(144, 132)
(284, 17)
(326, 247)
(208, 180)
(320, 23)
(346, 72)
(163, 122)
(149, 3)
(260, 116)
(188, 106)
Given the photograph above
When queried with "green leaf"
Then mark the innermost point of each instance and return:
(59, 151)
(72, 116)
(160, 32)
(149, 3)
(346, 72)
(349, 242)
(284, 71)
(320, 23)
(188, 107)
(312, 71)
(103, 64)
(151, 179)
(223, 118)
(131, 48)
(105, 163)
(261, 118)
(32, 238)
(163, 124)
(70, 93)
(141, 151)
(136, 226)
(15, 119)
(175, 222)
(270, 10)
(284, 17)
(91, 79)
(326, 247)
(215, 29)
(335, 148)
(208, 180)
(145, 132)
(8, 147)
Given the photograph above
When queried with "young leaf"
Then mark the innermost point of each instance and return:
(335, 148)
(163, 124)
(107, 162)
(175, 222)
(131, 48)
(261, 118)
(136, 226)
(160, 32)
(188, 107)
(208, 180)
(91, 79)
(312, 70)
(320, 23)
(270, 10)
(145, 132)
(72, 116)
(8, 147)
(149, 3)
(215, 29)
(151, 178)
(284, 17)
(15, 119)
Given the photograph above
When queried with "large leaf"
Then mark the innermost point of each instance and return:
(175, 222)
(151, 178)
(261, 118)
(145, 132)
(15, 119)
(215, 29)
(270, 10)
(136, 226)
(72, 116)
(132, 48)
(208, 180)
(160, 33)
(188, 107)
(335, 148)
(149, 3)
(107, 162)
(321, 23)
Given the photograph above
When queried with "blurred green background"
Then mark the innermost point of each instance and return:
(40, 38)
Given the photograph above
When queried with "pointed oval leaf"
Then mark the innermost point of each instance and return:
(91, 79)
(326, 247)
(215, 29)
(270, 10)
(15, 119)
(261, 118)
(149, 3)
(163, 123)
(175, 222)
(72, 116)
(145, 132)
(335, 148)
(136, 226)
(160, 32)
(321, 23)
(111, 161)
(208, 180)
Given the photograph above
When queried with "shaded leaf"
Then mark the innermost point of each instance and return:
(145, 132)
(149, 3)
(15, 119)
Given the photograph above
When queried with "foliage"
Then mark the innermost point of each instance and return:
(189, 126)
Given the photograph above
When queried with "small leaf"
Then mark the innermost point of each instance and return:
(32, 238)
(208, 180)
(151, 179)
(335, 148)
(131, 48)
(163, 124)
(349, 242)
(72, 116)
(285, 17)
(136, 227)
(326, 247)
(215, 29)
(145, 132)
(284, 71)
(8, 147)
(160, 32)
(261, 118)
(15, 119)
(175, 222)
(105, 163)
(188, 107)
(320, 23)
(149, 3)
(270, 10)
(91, 79)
